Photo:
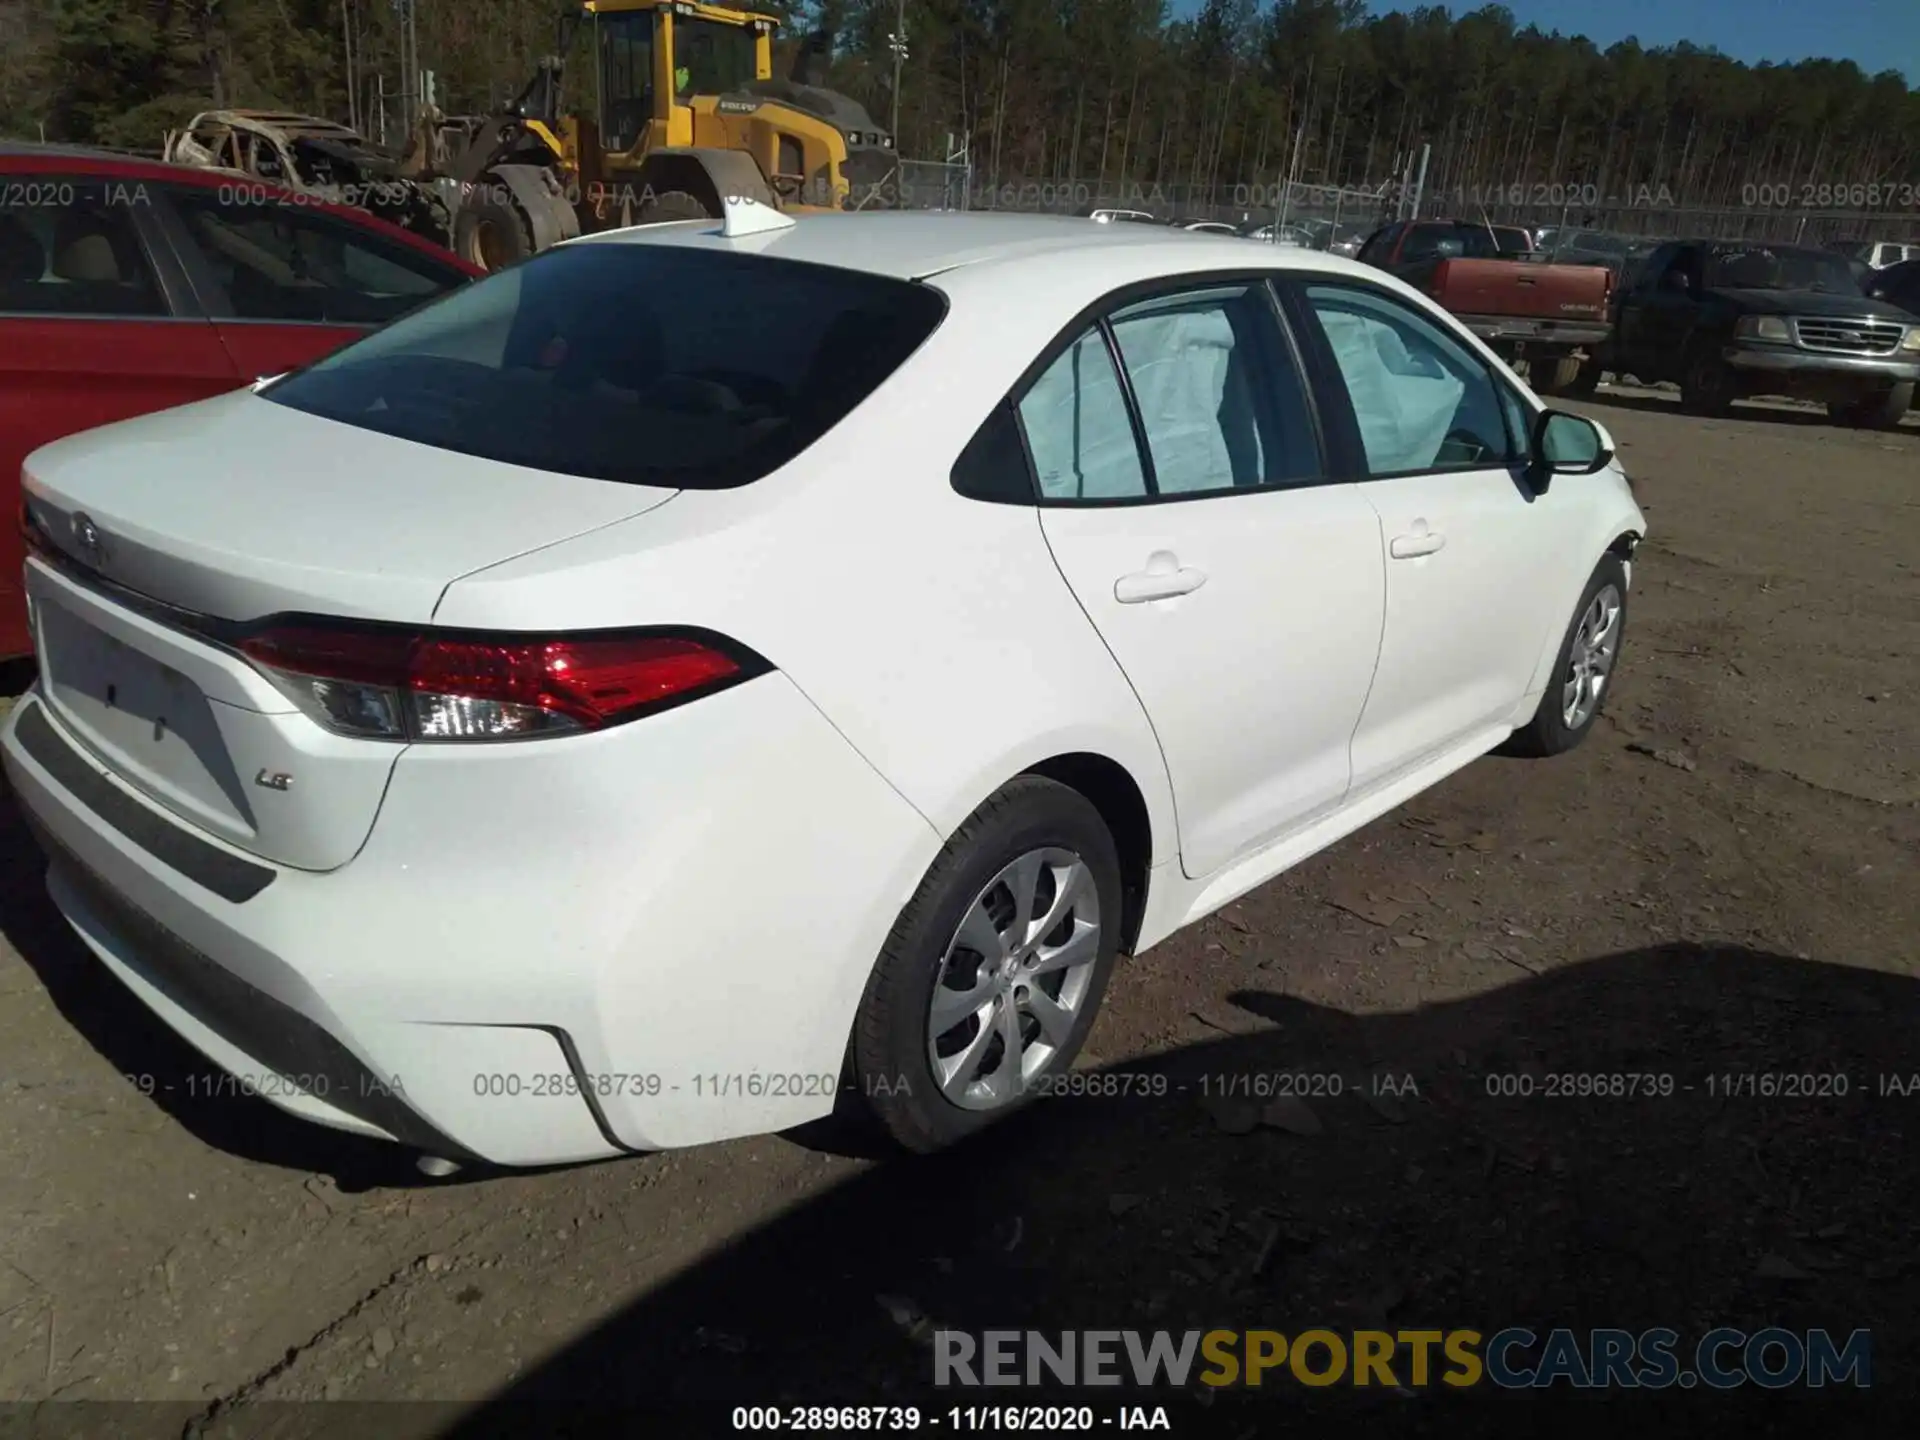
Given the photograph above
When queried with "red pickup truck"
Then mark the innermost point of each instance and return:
(1547, 316)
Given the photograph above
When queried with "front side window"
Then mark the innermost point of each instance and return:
(286, 263)
(644, 364)
(69, 248)
(1422, 399)
(1379, 244)
(712, 58)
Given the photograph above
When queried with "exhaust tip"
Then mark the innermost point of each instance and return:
(437, 1167)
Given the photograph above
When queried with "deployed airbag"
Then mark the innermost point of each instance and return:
(1405, 404)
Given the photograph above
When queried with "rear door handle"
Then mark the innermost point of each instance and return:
(1410, 547)
(1164, 578)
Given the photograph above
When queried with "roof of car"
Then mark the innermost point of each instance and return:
(73, 152)
(911, 245)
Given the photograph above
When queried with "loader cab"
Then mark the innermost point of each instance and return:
(653, 57)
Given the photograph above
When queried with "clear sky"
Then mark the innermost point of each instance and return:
(1874, 34)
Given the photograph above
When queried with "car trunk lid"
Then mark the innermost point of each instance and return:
(1521, 289)
(176, 530)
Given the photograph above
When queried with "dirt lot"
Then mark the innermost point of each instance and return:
(1723, 881)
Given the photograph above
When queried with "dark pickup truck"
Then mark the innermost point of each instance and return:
(1727, 320)
(1545, 316)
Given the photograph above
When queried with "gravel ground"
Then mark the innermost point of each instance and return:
(1721, 882)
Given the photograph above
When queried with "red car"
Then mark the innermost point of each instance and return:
(128, 286)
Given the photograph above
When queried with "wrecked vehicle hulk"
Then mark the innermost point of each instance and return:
(311, 156)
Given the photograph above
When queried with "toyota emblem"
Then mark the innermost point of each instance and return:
(87, 536)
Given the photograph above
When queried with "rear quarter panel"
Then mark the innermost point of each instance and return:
(934, 631)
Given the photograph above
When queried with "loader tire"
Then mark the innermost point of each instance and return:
(492, 233)
(672, 205)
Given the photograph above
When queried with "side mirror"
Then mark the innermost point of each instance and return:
(1564, 444)
(1676, 280)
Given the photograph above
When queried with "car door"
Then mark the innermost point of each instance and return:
(1669, 313)
(96, 325)
(288, 282)
(1468, 546)
(1185, 497)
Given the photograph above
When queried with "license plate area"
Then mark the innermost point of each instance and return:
(144, 719)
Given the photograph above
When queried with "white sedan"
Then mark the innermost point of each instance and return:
(708, 672)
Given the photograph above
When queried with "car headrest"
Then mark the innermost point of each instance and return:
(83, 250)
(22, 257)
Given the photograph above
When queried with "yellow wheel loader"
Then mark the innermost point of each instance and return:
(685, 112)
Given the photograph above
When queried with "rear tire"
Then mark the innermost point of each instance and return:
(1035, 835)
(1582, 669)
(673, 205)
(1877, 412)
(1560, 377)
(492, 233)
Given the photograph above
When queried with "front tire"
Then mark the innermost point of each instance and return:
(992, 976)
(1882, 411)
(492, 233)
(1582, 670)
(1708, 388)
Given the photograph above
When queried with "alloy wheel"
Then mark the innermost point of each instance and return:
(1014, 978)
(1590, 659)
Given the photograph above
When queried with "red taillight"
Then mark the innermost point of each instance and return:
(398, 685)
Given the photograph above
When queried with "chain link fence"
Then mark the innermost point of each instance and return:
(1320, 210)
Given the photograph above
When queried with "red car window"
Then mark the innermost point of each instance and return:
(288, 263)
(66, 249)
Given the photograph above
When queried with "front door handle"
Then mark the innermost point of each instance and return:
(1164, 578)
(1410, 547)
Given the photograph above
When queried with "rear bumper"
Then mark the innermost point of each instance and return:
(1561, 334)
(626, 941)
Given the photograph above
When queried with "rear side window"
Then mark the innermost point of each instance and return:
(1221, 407)
(644, 364)
(283, 263)
(68, 248)
(1078, 428)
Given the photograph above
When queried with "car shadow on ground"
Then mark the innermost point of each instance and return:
(1743, 410)
(1485, 1201)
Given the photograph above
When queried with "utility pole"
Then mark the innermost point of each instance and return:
(1286, 191)
(346, 32)
(897, 43)
(1420, 182)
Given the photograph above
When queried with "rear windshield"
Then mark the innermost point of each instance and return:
(1426, 242)
(644, 364)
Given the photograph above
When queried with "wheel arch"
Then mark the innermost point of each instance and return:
(1107, 785)
(707, 174)
(1627, 532)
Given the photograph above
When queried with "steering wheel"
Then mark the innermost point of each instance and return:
(1469, 445)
